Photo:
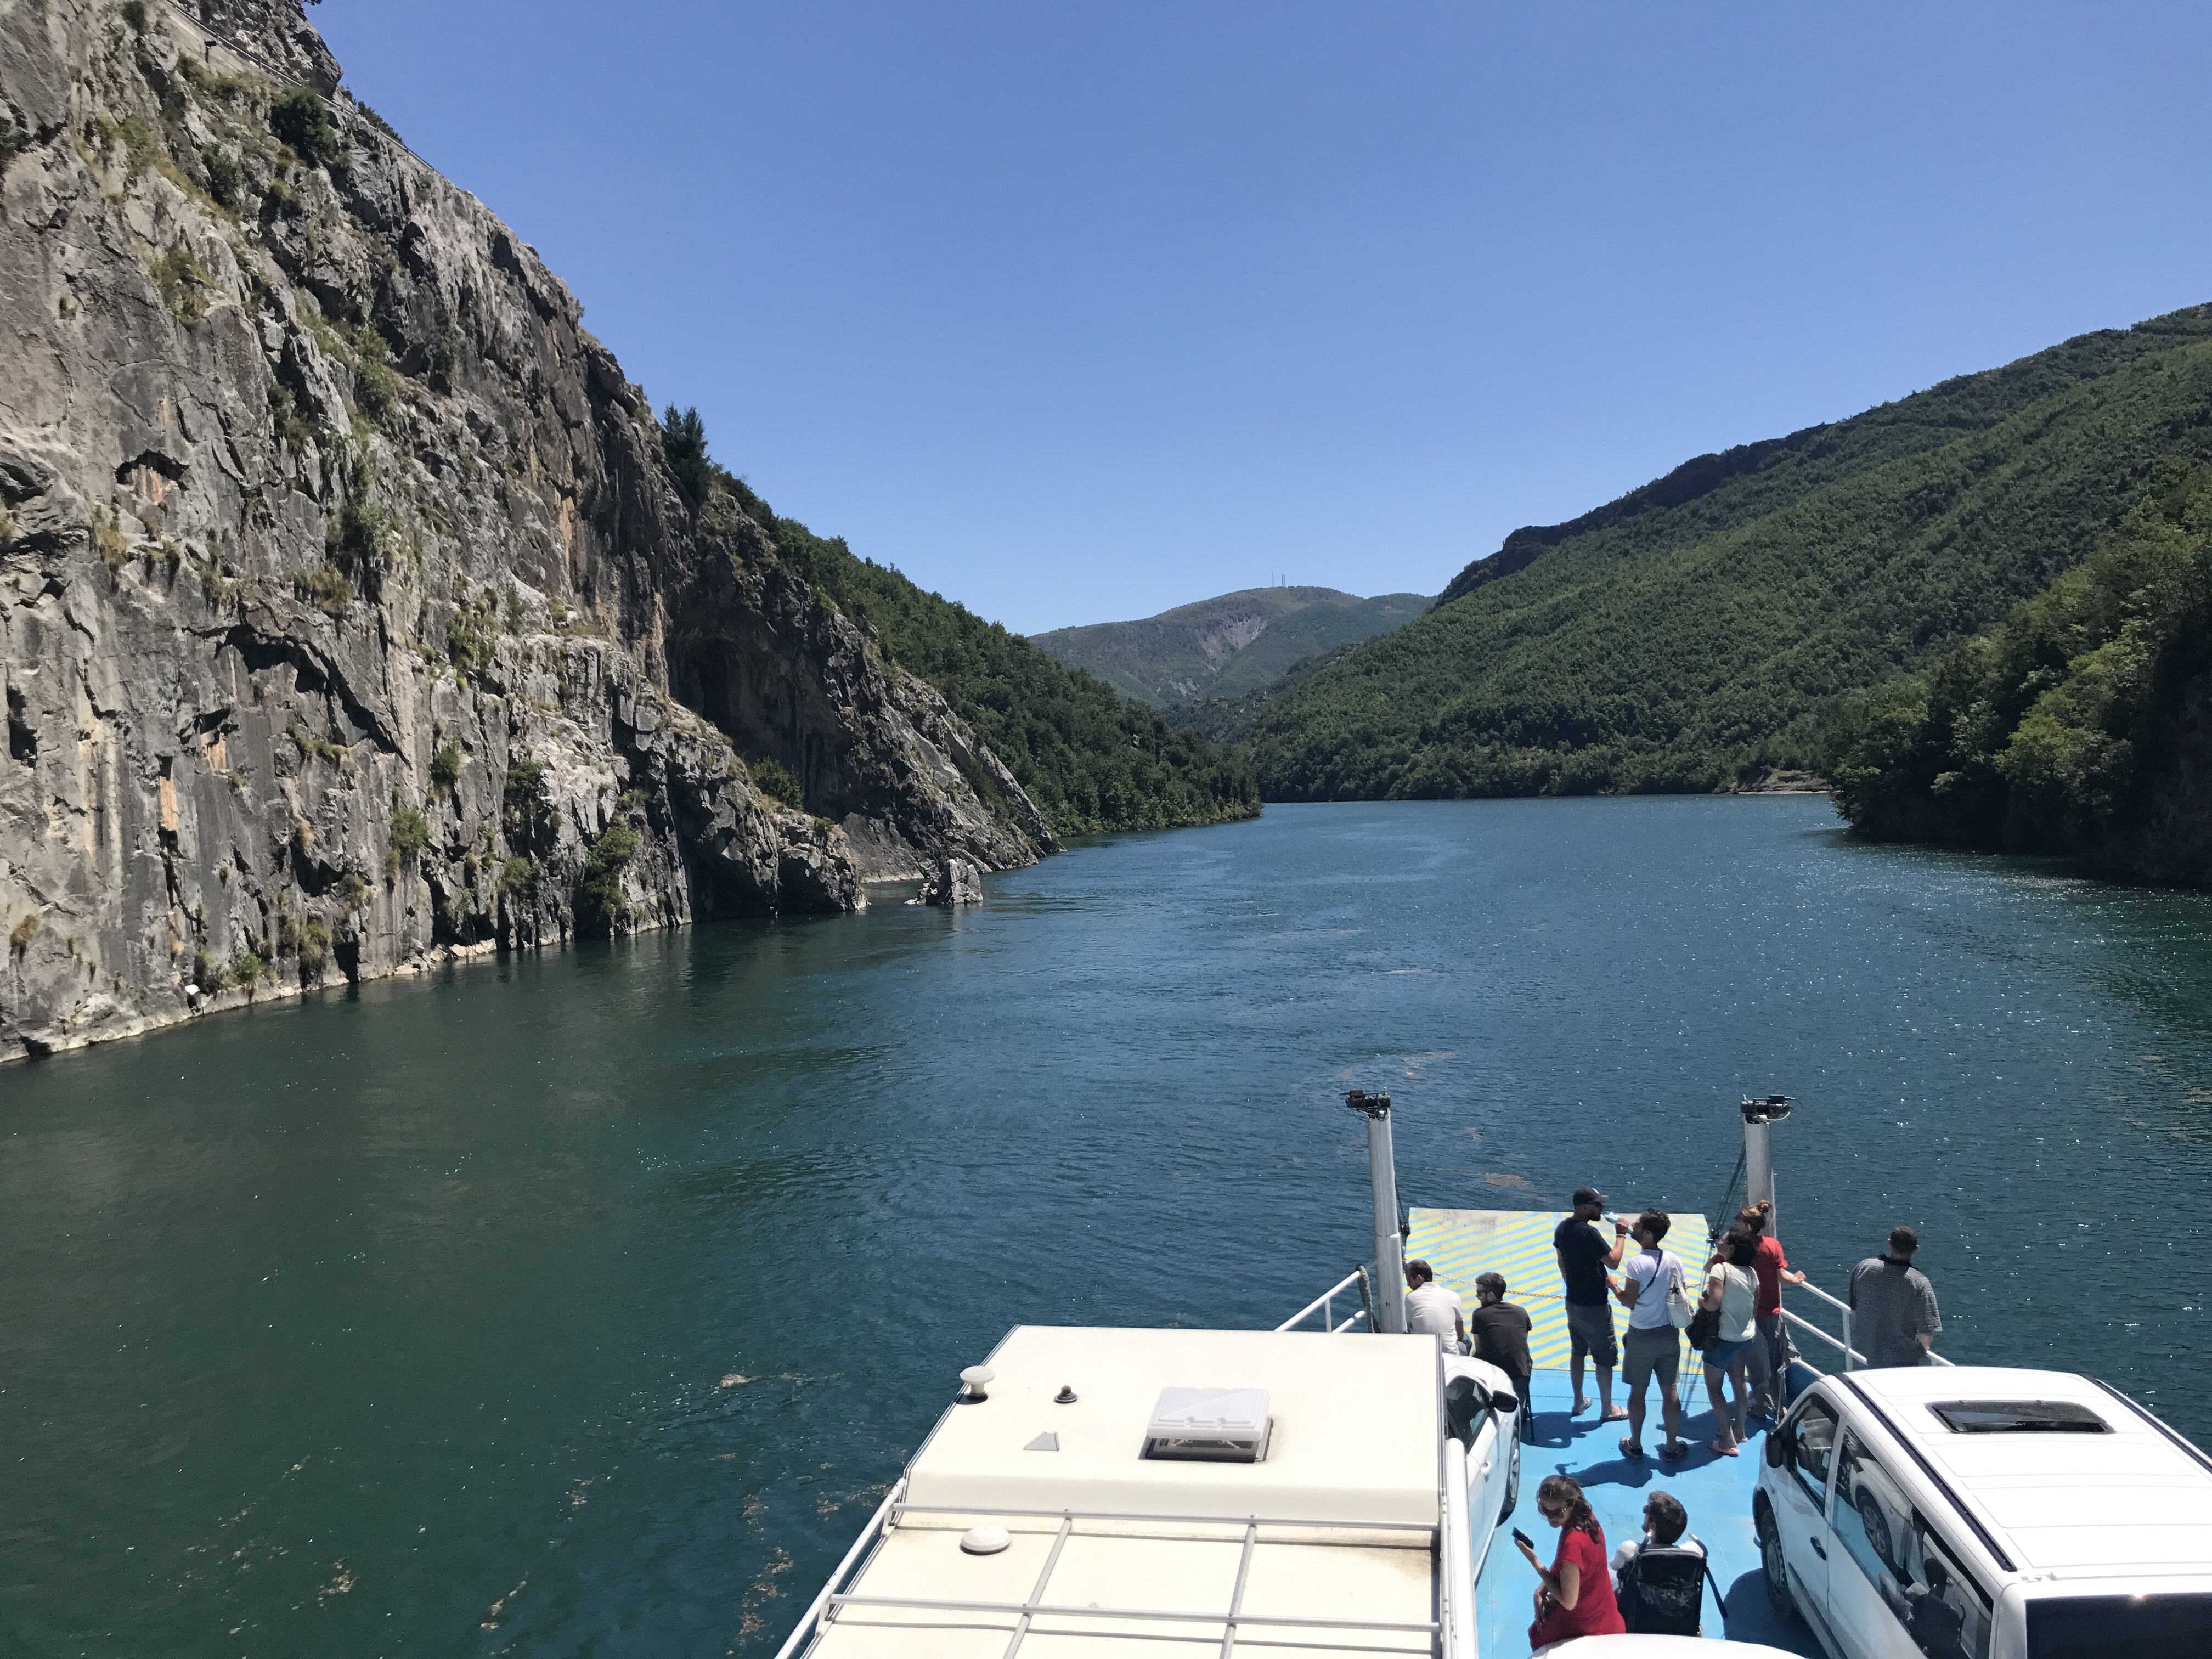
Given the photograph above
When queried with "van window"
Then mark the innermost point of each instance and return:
(1917, 1574)
(2119, 1626)
(1812, 1446)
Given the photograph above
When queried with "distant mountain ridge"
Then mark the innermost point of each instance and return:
(1709, 623)
(1226, 646)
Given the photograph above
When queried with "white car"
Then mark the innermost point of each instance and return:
(1984, 1513)
(1482, 1412)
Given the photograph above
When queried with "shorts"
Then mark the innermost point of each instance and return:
(1722, 1355)
(1653, 1351)
(1589, 1331)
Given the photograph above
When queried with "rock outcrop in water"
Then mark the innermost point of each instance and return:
(349, 615)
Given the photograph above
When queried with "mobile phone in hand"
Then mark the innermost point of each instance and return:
(1523, 1539)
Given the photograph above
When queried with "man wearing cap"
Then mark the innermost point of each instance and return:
(1585, 1260)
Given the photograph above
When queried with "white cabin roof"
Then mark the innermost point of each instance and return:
(1352, 1467)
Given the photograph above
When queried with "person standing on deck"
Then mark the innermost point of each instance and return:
(1894, 1319)
(1655, 1346)
(1432, 1308)
(1769, 1348)
(1500, 1333)
(1584, 1261)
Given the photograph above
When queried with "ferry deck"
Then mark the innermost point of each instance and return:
(1715, 1490)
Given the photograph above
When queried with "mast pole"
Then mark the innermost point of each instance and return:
(1760, 1116)
(1383, 1177)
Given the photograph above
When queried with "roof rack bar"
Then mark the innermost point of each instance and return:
(1236, 1600)
(927, 1604)
(1428, 1526)
(1037, 1591)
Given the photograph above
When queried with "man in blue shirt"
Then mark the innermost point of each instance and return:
(1585, 1260)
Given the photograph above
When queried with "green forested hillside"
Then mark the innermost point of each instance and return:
(1225, 646)
(2077, 726)
(1709, 622)
(1090, 762)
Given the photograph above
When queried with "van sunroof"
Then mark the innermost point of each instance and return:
(2018, 1417)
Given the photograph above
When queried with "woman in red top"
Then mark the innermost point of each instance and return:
(1769, 1348)
(1576, 1598)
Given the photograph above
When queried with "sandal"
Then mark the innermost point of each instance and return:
(1674, 1450)
(1617, 1414)
(1729, 1450)
(1630, 1449)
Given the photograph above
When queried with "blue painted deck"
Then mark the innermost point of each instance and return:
(1715, 1490)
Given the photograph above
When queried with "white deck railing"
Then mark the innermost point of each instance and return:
(1325, 1305)
(1852, 1358)
(811, 1620)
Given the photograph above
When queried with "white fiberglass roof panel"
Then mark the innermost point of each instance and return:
(1175, 1569)
(1355, 1436)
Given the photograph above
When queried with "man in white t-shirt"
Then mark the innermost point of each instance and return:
(1431, 1309)
(1654, 1346)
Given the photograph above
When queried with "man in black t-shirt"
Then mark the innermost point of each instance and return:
(1499, 1332)
(1584, 1262)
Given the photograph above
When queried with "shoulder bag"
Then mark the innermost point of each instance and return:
(1682, 1308)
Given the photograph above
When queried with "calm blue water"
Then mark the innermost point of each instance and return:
(581, 1304)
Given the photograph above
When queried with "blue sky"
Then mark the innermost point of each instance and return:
(1075, 312)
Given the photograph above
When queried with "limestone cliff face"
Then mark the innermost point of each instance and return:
(348, 613)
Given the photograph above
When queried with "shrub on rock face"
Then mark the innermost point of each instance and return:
(445, 767)
(303, 121)
(522, 797)
(600, 901)
(226, 179)
(410, 832)
(324, 587)
(683, 441)
(518, 876)
(777, 779)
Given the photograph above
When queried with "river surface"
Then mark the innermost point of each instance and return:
(583, 1302)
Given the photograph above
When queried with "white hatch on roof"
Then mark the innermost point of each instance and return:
(1224, 1425)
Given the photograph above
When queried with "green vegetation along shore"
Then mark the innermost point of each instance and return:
(2078, 725)
(1092, 763)
(1712, 622)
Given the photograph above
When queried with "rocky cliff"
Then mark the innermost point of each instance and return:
(349, 615)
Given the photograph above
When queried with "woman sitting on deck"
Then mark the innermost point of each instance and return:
(1576, 1598)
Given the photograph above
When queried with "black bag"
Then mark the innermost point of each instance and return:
(1704, 1326)
(1662, 1591)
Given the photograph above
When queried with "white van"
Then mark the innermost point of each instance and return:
(1976, 1512)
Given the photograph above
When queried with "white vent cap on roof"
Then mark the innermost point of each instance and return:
(1239, 1415)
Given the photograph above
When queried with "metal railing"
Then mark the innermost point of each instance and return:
(1325, 1305)
(811, 1620)
(1853, 1360)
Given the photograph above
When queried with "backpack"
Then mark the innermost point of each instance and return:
(1662, 1591)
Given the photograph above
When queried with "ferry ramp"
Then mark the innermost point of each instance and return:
(1715, 1490)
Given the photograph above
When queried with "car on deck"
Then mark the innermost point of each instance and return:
(1981, 1512)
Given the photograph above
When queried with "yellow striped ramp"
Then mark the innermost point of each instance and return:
(1461, 1243)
